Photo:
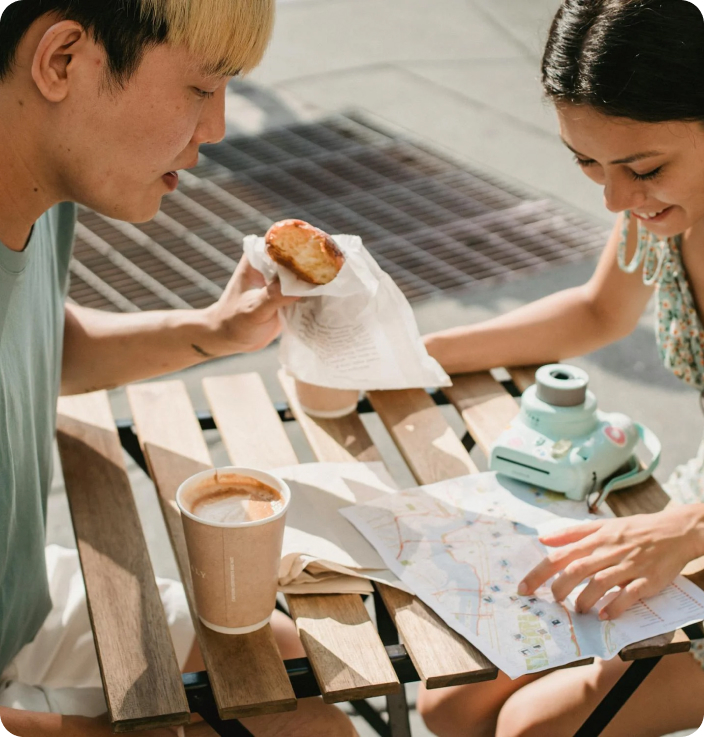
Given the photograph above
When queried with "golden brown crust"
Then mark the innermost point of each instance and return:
(310, 253)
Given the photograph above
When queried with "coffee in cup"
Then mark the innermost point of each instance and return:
(324, 402)
(236, 500)
(233, 521)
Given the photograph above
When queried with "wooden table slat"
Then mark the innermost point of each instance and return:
(345, 651)
(523, 376)
(175, 448)
(440, 656)
(487, 409)
(672, 642)
(344, 648)
(138, 665)
(337, 441)
(428, 444)
(248, 422)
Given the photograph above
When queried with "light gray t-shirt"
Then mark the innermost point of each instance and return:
(33, 287)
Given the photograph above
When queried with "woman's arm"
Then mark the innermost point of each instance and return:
(569, 323)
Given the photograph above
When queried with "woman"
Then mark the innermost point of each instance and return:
(627, 81)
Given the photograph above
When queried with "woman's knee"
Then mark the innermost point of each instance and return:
(434, 709)
(520, 719)
(447, 713)
(557, 704)
(513, 724)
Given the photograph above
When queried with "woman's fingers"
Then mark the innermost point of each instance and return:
(602, 582)
(641, 588)
(639, 555)
(551, 565)
(593, 564)
(571, 534)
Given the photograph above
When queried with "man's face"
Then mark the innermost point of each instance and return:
(116, 150)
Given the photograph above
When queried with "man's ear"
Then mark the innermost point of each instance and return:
(50, 66)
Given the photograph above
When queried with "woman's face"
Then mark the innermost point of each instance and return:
(655, 170)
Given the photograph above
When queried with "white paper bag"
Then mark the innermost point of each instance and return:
(357, 332)
(323, 552)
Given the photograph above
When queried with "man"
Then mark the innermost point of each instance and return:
(101, 103)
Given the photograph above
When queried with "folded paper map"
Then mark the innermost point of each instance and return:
(322, 552)
(462, 546)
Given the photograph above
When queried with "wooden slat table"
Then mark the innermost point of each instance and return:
(343, 646)
(175, 448)
(441, 656)
(140, 673)
(345, 653)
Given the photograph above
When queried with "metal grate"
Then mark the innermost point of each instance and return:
(430, 222)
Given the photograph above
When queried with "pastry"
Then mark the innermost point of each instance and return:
(310, 253)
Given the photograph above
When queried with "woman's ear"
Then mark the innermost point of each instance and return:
(53, 57)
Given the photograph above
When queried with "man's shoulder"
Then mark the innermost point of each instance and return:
(63, 220)
(57, 232)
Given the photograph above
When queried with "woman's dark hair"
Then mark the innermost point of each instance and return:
(638, 59)
(119, 25)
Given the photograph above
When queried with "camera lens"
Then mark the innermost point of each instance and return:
(561, 385)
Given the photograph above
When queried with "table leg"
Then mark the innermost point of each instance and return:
(617, 697)
(396, 704)
(397, 709)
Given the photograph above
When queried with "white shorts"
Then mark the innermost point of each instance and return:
(58, 671)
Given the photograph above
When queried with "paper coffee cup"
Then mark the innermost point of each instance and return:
(234, 565)
(326, 403)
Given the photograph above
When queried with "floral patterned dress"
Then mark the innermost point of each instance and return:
(679, 331)
(680, 337)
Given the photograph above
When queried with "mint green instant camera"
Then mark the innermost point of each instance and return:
(560, 441)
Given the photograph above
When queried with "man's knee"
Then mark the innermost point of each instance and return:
(326, 721)
(344, 727)
(313, 718)
(286, 637)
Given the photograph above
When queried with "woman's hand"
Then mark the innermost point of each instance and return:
(641, 555)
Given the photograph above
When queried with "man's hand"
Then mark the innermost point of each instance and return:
(245, 318)
(103, 350)
(640, 555)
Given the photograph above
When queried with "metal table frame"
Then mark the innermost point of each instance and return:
(300, 673)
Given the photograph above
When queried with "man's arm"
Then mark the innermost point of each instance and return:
(103, 350)
(40, 724)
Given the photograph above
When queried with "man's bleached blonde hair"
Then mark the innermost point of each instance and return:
(230, 36)
(227, 37)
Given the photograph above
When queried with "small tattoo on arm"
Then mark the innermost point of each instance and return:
(200, 351)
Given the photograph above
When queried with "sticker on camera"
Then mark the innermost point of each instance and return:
(616, 435)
